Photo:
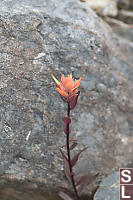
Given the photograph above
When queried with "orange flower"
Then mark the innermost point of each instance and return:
(68, 88)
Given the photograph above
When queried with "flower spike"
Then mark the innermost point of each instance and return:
(57, 82)
(71, 75)
(67, 88)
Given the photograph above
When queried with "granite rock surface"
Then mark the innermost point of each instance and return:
(109, 188)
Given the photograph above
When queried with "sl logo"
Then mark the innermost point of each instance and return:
(126, 183)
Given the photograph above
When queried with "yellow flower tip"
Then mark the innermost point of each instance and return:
(71, 75)
(74, 88)
(56, 81)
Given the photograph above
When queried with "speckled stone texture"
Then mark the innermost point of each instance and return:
(41, 37)
(109, 188)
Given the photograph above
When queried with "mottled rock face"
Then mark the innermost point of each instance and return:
(25, 190)
(109, 188)
(104, 8)
(39, 38)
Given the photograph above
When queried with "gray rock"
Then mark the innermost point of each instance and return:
(24, 190)
(39, 38)
(109, 188)
(104, 8)
(125, 4)
(126, 16)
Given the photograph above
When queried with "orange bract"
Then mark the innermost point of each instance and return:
(67, 87)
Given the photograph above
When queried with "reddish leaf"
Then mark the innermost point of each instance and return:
(67, 170)
(73, 100)
(85, 178)
(62, 146)
(67, 127)
(75, 141)
(75, 158)
(93, 193)
(66, 120)
(64, 156)
(86, 182)
(64, 196)
(73, 145)
(67, 190)
(66, 166)
(72, 141)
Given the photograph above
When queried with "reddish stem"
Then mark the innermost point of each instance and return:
(69, 156)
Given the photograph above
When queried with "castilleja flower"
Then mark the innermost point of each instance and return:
(68, 89)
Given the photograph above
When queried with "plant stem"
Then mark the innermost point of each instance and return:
(69, 156)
